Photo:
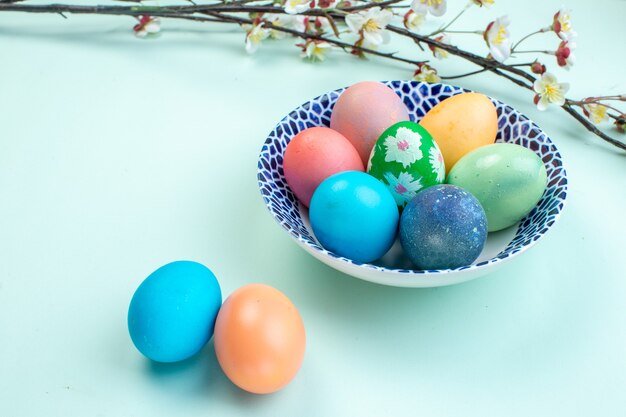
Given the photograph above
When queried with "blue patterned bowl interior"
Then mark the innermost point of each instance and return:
(419, 98)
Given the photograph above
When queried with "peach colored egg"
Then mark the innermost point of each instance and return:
(259, 339)
(460, 124)
(364, 111)
(314, 155)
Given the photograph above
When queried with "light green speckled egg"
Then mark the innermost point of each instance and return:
(507, 179)
(406, 159)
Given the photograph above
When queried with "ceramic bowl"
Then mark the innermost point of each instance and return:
(395, 268)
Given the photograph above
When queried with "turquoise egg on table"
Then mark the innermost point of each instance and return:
(406, 160)
(507, 179)
(172, 313)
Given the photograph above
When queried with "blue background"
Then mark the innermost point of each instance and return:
(118, 155)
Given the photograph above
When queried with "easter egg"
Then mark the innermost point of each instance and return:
(363, 112)
(406, 159)
(507, 179)
(259, 339)
(460, 124)
(353, 215)
(172, 313)
(315, 154)
(443, 227)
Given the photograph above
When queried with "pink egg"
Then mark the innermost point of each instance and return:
(364, 111)
(314, 155)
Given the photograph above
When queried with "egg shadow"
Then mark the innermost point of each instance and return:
(194, 376)
(346, 300)
(164, 370)
(200, 378)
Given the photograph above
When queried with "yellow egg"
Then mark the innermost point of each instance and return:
(461, 124)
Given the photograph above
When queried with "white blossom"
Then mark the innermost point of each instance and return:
(147, 26)
(316, 51)
(254, 37)
(549, 91)
(426, 73)
(413, 20)
(371, 24)
(597, 113)
(498, 38)
(440, 53)
(297, 6)
(562, 26)
(289, 21)
(434, 7)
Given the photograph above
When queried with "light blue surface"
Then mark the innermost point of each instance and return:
(354, 215)
(118, 155)
(172, 314)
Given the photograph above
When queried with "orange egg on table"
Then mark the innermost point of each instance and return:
(460, 124)
(315, 154)
(364, 111)
(259, 339)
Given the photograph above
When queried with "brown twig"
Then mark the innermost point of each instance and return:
(466, 74)
(591, 127)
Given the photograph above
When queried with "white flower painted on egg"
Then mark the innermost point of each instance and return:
(404, 147)
(403, 188)
(436, 161)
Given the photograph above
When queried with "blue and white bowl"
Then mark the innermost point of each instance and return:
(394, 268)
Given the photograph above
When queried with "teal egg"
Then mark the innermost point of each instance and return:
(172, 314)
(406, 160)
(507, 179)
(353, 215)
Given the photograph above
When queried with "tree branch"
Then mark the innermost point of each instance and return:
(221, 11)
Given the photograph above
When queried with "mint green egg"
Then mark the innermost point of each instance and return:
(406, 159)
(507, 179)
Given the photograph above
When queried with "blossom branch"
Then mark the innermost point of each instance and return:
(467, 74)
(370, 22)
(543, 30)
(307, 35)
(489, 64)
(454, 19)
(591, 127)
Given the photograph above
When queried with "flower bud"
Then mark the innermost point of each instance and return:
(537, 68)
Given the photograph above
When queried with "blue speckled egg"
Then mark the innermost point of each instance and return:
(354, 215)
(172, 314)
(443, 227)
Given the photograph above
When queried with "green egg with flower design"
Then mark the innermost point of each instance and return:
(406, 159)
